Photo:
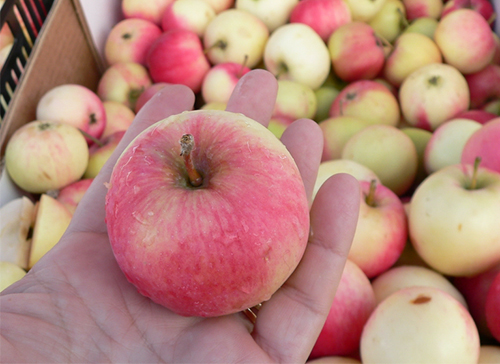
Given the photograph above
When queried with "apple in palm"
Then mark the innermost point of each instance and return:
(178, 226)
(192, 15)
(273, 13)
(220, 81)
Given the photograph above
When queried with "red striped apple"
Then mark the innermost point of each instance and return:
(211, 228)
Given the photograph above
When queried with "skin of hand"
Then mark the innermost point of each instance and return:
(75, 304)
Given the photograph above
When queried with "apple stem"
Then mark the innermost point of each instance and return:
(371, 193)
(243, 65)
(404, 22)
(473, 182)
(91, 137)
(187, 145)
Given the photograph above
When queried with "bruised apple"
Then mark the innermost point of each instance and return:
(207, 213)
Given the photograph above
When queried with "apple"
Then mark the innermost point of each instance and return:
(426, 26)
(100, 152)
(46, 155)
(324, 16)
(411, 51)
(425, 324)
(484, 85)
(496, 57)
(447, 143)
(331, 167)
(147, 94)
(356, 52)
(194, 254)
(9, 274)
(220, 81)
(129, 41)
(214, 106)
(296, 52)
(492, 307)
(192, 15)
(420, 138)
(388, 152)
(51, 221)
(367, 100)
(72, 194)
(353, 303)
(324, 97)
(483, 143)
(475, 289)
(16, 219)
(423, 8)
(123, 82)
(481, 116)
(273, 13)
(492, 106)
(294, 100)
(483, 7)
(237, 36)
(118, 117)
(336, 132)
(489, 354)
(453, 220)
(220, 5)
(465, 40)
(278, 124)
(334, 360)
(390, 21)
(433, 94)
(151, 10)
(75, 105)
(401, 277)
(381, 231)
(364, 10)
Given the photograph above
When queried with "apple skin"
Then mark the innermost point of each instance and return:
(423, 8)
(220, 5)
(71, 195)
(99, 154)
(336, 132)
(425, 324)
(123, 82)
(367, 100)
(420, 138)
(481, 116)
(324, 16)
(296, 52)
(192, 15)
(294, 100)
(453, 228)
(381, 232)
(353, 303)
(273, 13)
(426, 26)
(356, 52)
(390, 20)
(484, 143)
(492, 308)
(483, 7)
(45, 155)
(151, 10)
(278, 124)
(484, 85)
(364, 10)
(465, 40)
(220, 81)
(118, 117)
(433, 94)
(75, 105)
(129, 41)
(188, 67)
(199, 259)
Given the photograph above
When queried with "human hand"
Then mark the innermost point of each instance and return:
(75, 304)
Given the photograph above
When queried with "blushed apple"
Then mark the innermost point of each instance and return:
(483, 143)
(129, 41)
(356, 52)
(296, 52)
(465, 40)
(352, 306)
(45, 155)
(423, 8)
(433, 94)
(324, 16)
(100, 153)
(220, 81)
(75, 105)
(483, 7)
(420, 138)
(118, 117)
(484, 85)
(481, 116)
(147, 94)
(151, 10)
(390, 21)
(388, 152)
(336, 132)
(273, 13)
(123, 82)
(492, 307)
(367, 100)
(364, 10)
(447, 143)
(235, 36)
(295, 100)
(72, 194)
(192, 15)
(188, 67)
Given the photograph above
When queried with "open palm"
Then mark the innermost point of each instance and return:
(75, 304)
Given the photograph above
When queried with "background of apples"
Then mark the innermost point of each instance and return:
(404, 91)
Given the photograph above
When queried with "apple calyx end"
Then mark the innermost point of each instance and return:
(187, 145)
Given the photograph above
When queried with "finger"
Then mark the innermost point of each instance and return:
(255, 96)
(304, 139)
(289, 323)
(170, 100)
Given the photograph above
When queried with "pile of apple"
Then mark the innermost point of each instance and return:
(407, 94)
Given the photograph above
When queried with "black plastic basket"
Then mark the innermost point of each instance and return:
(25, 19)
